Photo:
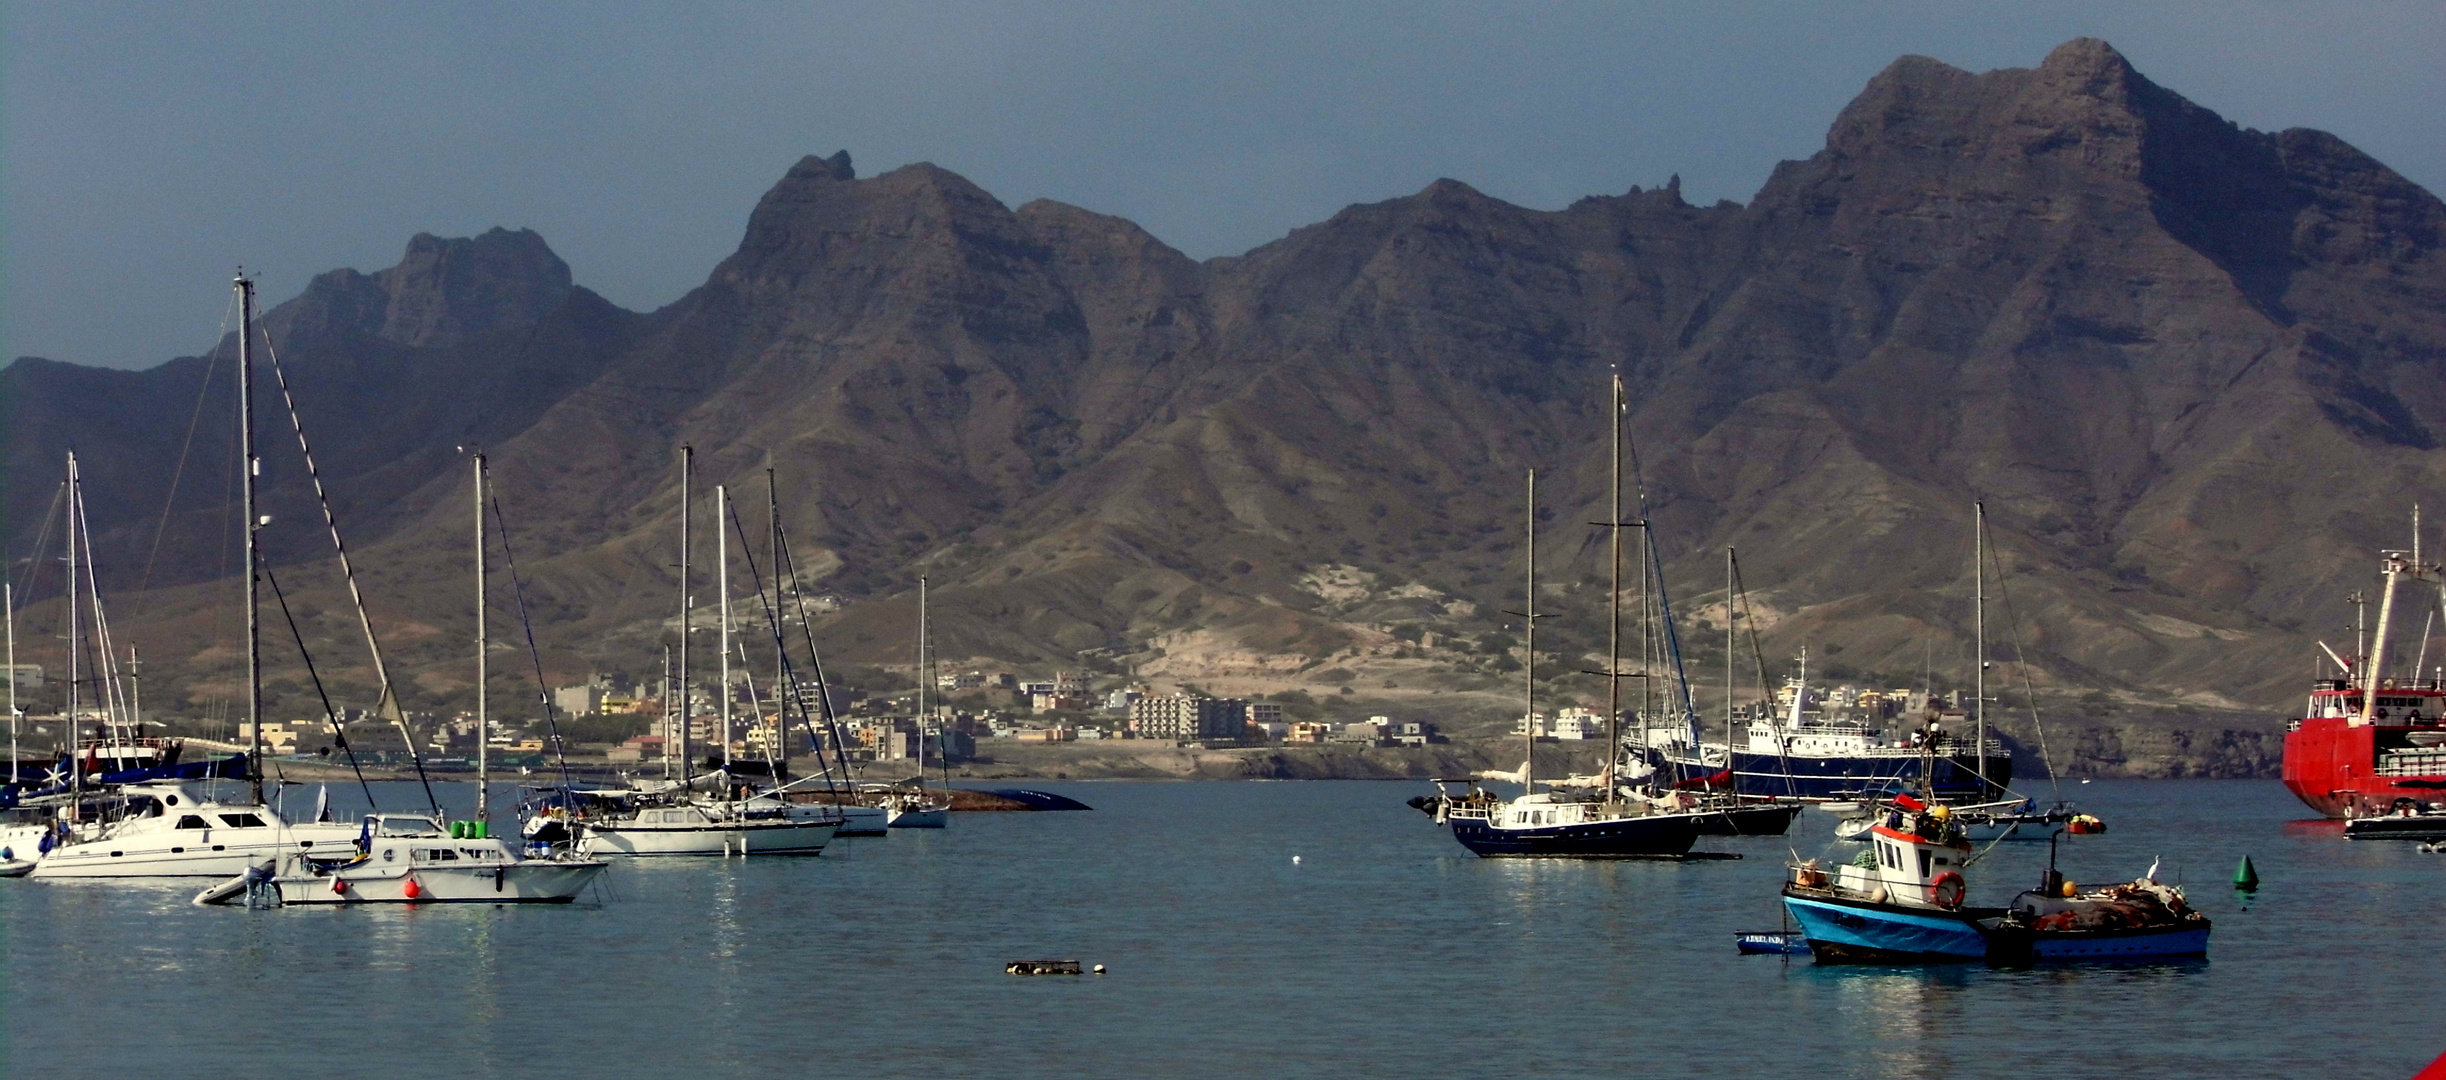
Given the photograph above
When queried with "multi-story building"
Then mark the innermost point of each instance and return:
(1189, 718)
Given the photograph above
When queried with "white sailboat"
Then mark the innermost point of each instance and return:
(696, 815)
(919, 809)
(413, 858)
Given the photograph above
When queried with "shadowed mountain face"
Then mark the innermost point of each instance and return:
(2193, 370)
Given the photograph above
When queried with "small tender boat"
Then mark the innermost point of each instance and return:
(412, 859)
(1772, 943)
(2405, 819)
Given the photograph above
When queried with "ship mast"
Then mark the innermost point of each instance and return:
(1613, 600)
(484, 776)
(687, 464)
(1528, 678)
(252, 468)
(76, 766)
(1978, 591)
(721, 573)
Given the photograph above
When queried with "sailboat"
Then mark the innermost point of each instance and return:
(139, 822)
(1617, 822)
(710, 814)
(919, 809)
(414, 858)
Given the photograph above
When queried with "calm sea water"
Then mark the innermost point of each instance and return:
(1386, 950)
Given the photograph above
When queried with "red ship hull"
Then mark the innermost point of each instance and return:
(2334, 766)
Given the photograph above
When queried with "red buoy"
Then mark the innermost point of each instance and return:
(340, 886)
(411, 890)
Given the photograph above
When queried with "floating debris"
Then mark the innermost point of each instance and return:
(1048, 967)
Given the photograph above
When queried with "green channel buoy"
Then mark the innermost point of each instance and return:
(2246, 876)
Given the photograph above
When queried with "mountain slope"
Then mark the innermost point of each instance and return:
(2193, 371)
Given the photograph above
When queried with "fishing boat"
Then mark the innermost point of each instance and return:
(2139, 920)
(1901, 901)
(2369, 738)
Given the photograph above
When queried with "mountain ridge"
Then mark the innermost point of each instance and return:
(2192, 369)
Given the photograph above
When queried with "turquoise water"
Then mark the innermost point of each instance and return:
(1386, 950)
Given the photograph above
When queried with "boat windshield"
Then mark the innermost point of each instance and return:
(405, 825)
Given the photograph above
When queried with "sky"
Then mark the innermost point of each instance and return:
(148, 150)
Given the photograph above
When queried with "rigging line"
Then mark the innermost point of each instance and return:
(109, 692)
(331, 716)
(1783, 749)
(24, 583)
(772, 618)
(389, 695)
(823, 687)
(552, 723)
(194, 421)
(2012, 621)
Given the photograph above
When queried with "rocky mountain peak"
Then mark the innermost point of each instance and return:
(443, 290)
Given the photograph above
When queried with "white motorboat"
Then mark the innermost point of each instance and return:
(412, 859)
(170, 829)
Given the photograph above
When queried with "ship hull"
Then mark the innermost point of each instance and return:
(1661, 836)
(2332, 765)
(1851, 776)
(1842, 930)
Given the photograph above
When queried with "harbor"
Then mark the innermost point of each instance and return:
(1227, 958)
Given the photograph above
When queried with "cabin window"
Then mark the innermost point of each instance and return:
(242, 821)
(1923, 862)
(193, 821)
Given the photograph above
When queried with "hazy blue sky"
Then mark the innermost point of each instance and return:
(146, 150)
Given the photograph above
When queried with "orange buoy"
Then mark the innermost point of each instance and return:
(411, 890)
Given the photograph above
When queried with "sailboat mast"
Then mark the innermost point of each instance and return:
(1728, 659)
(1613, 596)
(252, 467)
(484, 776)
(721, 573)
(76, 762)
(924, 672)
(687, 466)
(8, 597)
(1528, 676)
(1978, 591)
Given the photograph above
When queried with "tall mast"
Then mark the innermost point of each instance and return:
(1613, 596)
(8, 596)
(779, 746)
(252, 467)
(721, 573)
(76, 766)
(1978, 589)
(2394, 567)
(1528, 677)
(925, 671)
(1728, 660)
(484, 776)
(687, 465)
(666, 712)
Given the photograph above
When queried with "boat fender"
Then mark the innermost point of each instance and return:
(2068, 890)
(1946, 891)
(1878, 896)
(340, 886)
(411, 890)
